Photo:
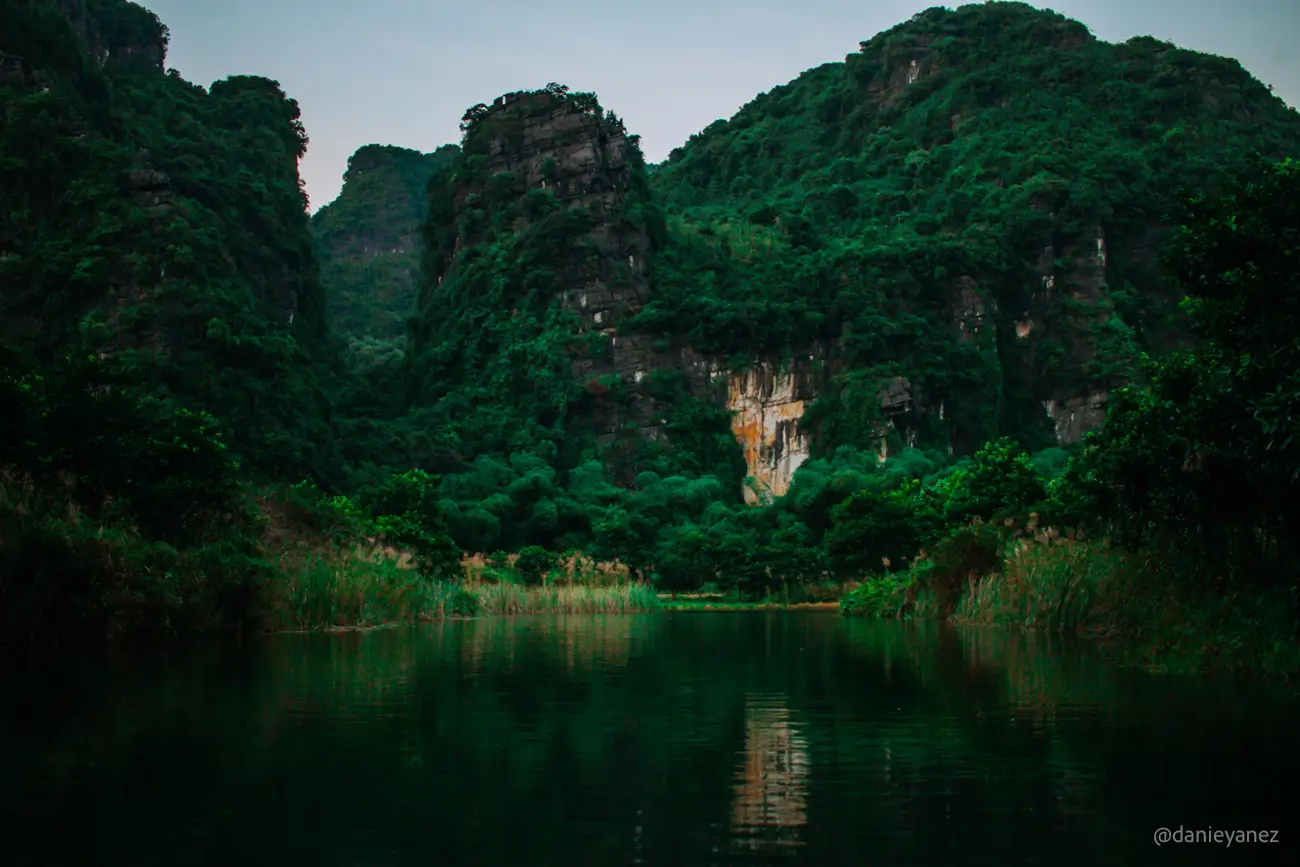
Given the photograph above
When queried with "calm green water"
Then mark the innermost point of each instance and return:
(682, 739)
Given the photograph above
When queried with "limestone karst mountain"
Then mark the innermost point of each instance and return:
(368, 239)
(162, 223)
(952, 235)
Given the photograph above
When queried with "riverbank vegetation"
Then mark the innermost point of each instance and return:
(1181, 510)
(189, 445)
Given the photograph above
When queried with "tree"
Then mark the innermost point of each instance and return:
(1204, 462)
(999, 480)
(534, 563)
(873, 531)
(472, 116)
(406, 511)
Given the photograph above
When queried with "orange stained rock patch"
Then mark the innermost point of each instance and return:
(765, 418)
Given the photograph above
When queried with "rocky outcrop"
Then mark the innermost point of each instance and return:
(119, 31)
(767, 405)
(1070, 305)
(969, 310)
(562, 146)
(1074, 417)
(150, 187)
(14, 72)
(543, 166)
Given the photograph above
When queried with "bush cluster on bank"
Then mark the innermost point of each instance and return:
(1188, 491)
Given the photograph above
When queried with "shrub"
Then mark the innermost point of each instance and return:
(534, 563)
(885, 596)
(965, 556)
(406, 511)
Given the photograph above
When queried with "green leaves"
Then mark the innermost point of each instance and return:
(1204, 462)
(406, 511)
(875, 532)
(534, 563)
(1000, 480)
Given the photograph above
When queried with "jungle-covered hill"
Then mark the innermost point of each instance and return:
(368, 239)
(160, 226)
(972, 207)
(976, 200)
(954, 235)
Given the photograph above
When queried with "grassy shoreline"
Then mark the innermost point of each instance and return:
(1133, 603)
(286, 574)
(371, 585)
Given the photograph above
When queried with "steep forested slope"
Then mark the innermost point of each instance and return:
(160, 226)
(971, 207)
(536, 248)
(368, 239)
(955, 234)
(951, 236)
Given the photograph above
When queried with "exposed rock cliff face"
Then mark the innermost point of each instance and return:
(768, 404)
(545, 220)
(118, 31)
(582, 159)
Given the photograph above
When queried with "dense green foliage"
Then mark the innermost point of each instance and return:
(119, 511)
(368, 241)
(851, 209)
(1205, 462)
(874, 204)
(169, 217)
(160, 303)
(160, 313)
(1198, 469)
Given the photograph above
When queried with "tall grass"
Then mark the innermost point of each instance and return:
(607, 599)
(64, 574)
(572, 569)
(1051, 580)
(578, 585)
(323, 588)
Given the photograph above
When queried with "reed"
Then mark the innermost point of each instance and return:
(505, 598)
(1136, 602)
(1053, 580)
(324, 588)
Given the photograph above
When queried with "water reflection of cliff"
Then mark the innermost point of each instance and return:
(771, 784)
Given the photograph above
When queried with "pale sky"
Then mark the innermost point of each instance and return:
(402, 72)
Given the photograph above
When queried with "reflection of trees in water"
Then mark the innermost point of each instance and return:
(988, 682)
(582, 642)
(772, 782)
